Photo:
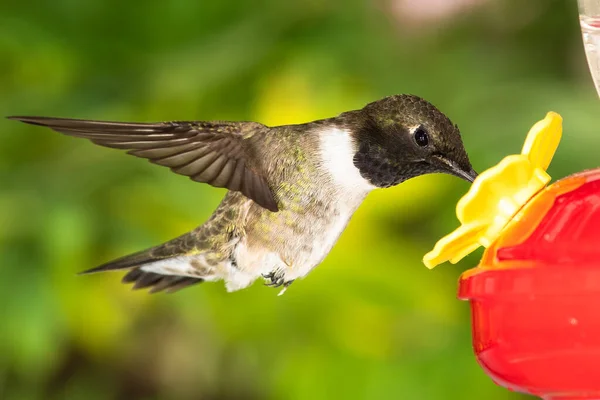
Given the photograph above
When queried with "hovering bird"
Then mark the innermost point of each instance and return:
(292, 188)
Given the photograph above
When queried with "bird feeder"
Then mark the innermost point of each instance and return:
(535, 295)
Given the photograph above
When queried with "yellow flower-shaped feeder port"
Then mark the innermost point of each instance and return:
(499, 193)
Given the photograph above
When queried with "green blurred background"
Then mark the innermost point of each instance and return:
(371, 322)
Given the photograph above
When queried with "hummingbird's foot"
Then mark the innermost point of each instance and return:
(274, 278)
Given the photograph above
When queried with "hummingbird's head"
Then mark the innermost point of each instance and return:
(401, 137)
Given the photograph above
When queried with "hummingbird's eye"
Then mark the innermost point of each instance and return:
(421, 136)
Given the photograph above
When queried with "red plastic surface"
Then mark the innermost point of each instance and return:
(535, 301)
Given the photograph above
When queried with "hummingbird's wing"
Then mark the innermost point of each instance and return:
(217, 153)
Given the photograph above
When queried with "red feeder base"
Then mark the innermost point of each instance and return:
(535, 299)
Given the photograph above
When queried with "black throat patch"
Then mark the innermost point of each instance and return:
(382, 172)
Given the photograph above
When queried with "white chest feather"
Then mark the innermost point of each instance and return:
(323, 243)
(348, 190)
(337, 149)
(344, 190)
(304, 252)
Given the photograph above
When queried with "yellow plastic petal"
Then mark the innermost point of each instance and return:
(542, 140)
(499, 193)
(461, 243)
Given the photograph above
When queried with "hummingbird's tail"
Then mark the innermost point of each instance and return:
(158, 282)
(155, 268)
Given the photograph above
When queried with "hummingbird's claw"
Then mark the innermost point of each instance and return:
(276, 279)
(275, 283)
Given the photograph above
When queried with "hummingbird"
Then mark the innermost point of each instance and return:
(292, 189)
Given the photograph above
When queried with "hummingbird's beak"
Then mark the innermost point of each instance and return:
(453, 168)
(470, 175)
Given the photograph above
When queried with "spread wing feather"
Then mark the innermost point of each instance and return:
(217, 153)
